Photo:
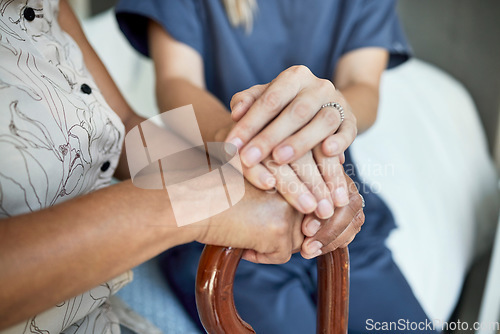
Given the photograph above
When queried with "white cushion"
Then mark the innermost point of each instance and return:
(427, 156)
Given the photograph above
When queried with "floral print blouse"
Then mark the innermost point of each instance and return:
(58, 140)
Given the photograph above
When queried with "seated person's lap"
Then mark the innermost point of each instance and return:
(282, 298)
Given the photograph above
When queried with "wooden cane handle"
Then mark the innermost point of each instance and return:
(333, 292)
(215, 299)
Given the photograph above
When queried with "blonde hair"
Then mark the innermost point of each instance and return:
(241, 12)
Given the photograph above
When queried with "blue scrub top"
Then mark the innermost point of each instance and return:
(315, 33)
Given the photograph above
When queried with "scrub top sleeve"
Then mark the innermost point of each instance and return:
(377, 25)
(180, 18)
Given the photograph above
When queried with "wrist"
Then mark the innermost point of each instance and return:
(155, 216)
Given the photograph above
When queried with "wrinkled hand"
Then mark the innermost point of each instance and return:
(323, 236)
(262, 223)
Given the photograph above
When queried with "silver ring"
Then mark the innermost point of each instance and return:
(362, 201)
(336, 106)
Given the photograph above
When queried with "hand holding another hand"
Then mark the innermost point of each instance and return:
(281, 123)
(290, 143)
(262, 223)
(271, 230)
(301, 145)
(285, 119)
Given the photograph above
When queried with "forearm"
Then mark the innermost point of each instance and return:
(363, 99)
(180, 81)
(211, 114)
(357, 76)
(57, 253)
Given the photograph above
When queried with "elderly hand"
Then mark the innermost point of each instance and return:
(323, 236)
(262, 223)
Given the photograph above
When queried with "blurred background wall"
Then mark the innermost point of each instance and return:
(450, 34)
(447, 33)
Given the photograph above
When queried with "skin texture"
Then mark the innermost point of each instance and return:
(135, 225)
(180, 80)
(357, 80)
(82, 234)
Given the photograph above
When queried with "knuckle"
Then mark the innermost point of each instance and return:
(300, 70)
(283, 252)
(284, 258)
(329, 119)
(271, 100)
(280, 228)
(326, 85)
(301, 112)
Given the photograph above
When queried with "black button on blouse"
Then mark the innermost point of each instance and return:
(86, 89)
(105, 166)
(29, 14)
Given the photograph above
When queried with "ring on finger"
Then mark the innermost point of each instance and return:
(336, 106)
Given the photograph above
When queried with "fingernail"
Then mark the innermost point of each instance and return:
(333, 147)
(325, 209)
(307, 202)
(251, 156)
(285, 153)
(341, 196)
(313, 227)
(267, 179)
(314, 248)
(236, 142)
(318, 253)
(230, 149)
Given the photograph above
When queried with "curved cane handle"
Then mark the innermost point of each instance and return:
(215, 300)
(214, 291)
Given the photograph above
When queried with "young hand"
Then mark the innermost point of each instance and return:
(285, 118)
